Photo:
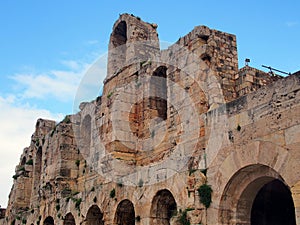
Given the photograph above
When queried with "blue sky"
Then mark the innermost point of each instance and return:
(47, 46)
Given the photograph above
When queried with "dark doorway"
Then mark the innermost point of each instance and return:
(119, 35)
(273, 205)
(163, 208)
(94, 216)
(69, 219)
(125, 214)
(158, 90)
(49, 221)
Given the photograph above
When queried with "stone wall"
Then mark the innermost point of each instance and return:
(261, 146)
(250, 79)
(168, 122)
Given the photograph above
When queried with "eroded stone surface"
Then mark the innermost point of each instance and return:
(168, 122)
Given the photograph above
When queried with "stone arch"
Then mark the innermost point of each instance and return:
(281, 211)
(94, 216)
(69, 219)
(242, 196)
(149, 112)
(163, 207)
(117, 48)
(119, 35)
(125, 214)
(49, 221)
(158, 89)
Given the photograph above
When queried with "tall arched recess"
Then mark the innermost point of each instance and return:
(158, 92)
(119, 35)
(163, 207)
(257, 195)
(69, 219)
(117, 48)
(94, 216)
(125, 214)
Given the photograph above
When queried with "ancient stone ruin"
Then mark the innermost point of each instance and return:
(179, 136)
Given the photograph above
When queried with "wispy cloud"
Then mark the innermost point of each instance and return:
(292, 23)
(58, 84)
(62, 85)
(17, 124)
(92, 42)
(18, 115)
(92, 81)
(72, 64)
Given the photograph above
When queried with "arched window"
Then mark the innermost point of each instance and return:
(273, 204)
(23, 161)
(158, 92)
(119, 35)
(94, 216)
(69, 219)
(125, 214)
(117, 48)
(163, 208)
(262, 198)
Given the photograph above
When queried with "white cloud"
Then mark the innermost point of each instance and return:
(18, 118)
(92, 42)
(58, 84)
(62, 85)
(92, 81)
(291, 23)
(17, 125)
(72, 64)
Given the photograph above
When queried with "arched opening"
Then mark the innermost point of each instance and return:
(49, 221)
(119, 35)
(158, 89)
(163, 208)
(206, 58)
(94, 216)
(149, 112)
(117, 49)
(69, 219)
(86, 130)
(23, 161)
(252, 194)
(125, 214)
(273, 205)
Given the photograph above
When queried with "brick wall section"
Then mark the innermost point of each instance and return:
(250, 79)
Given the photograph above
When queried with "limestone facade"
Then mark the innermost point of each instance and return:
(169, 124)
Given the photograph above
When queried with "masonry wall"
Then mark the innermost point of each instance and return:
(168, 122)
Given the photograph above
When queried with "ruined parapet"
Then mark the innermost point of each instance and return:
(250, 79)
(202, 65)
(47, 169)
(218, 50)
(28, 172)
(132, 41)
